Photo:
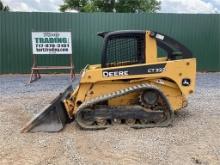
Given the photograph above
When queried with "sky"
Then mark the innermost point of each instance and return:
(167, 6)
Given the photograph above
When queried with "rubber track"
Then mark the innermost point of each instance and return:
(119, 93)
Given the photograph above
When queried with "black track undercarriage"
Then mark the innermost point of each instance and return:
(152, 110)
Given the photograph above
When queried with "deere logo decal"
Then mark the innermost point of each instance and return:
(186, 82)
(114, 73)
(136, 70)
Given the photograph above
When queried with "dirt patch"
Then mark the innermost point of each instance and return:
(194, 137)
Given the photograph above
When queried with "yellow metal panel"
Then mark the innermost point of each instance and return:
(175, 70)
(150, 49)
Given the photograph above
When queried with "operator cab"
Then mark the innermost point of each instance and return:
(127, 47)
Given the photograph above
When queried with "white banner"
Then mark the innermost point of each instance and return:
(51, 43)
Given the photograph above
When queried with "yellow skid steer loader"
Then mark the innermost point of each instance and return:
(133, 85)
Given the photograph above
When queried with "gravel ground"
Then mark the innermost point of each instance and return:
(194, 137)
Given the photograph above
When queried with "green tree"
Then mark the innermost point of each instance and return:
(3, 8)
(119, 6)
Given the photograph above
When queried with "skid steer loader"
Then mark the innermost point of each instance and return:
(133, 85)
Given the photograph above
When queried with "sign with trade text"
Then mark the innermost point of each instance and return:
(51, 43)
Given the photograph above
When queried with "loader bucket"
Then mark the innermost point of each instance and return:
(52, 118)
